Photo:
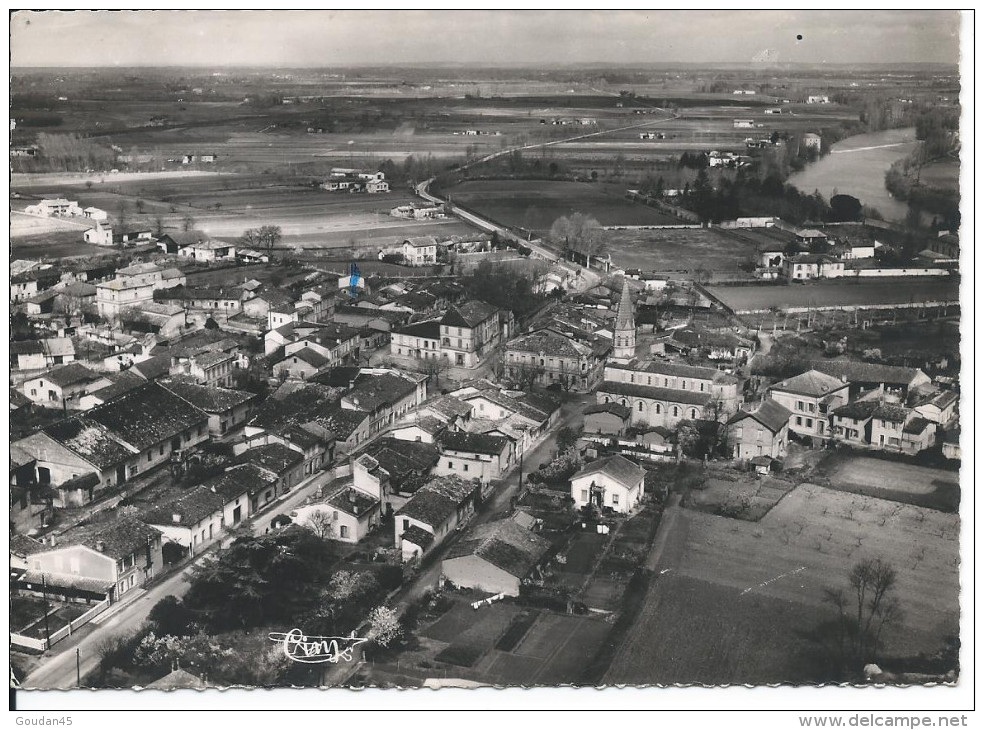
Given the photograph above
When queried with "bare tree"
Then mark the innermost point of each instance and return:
(578, 233)
(433, 367)
(187, 223)
(527, 373)
(321, 524)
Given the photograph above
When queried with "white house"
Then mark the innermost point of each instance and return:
(810, 397)
(96, 214)
(100, 235)
(54, 208)
(494, 557)
(612, 481)
(432, 513)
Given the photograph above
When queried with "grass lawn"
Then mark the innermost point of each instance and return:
(908, 483)
(680, 250)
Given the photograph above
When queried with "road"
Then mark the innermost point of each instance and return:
(59, 671)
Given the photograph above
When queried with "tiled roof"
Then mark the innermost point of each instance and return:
(24, 545)
(549, 342)
(372, 392)
(190, 508)
(70, 374)
(624, 318)
(674, 369)
(470, 314)
(418, 536)
(146, 416)
(274, 457)
(475, 443)
(859, 410)
(430, 329)
(617, 467)
(812, 383)
(179, 679)
(209, 398)
(91, 441)
(421, 241)
(342, 422)
(118, 538)
(891, 412)
(153, 368)
(402, 458)
(770, 414)
(615, 409)
(669, 395)
(310, 356)
(504, 544)
(301, 405)
(916, 425)
(437, 500)
(866, 372)
(449, 405)
(248, 478)
(352, 501)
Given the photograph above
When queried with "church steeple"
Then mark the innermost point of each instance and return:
(625, 330)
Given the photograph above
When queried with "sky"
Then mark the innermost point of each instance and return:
(325, 38)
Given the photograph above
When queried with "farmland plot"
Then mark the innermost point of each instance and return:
(731, 597)
(679, 250)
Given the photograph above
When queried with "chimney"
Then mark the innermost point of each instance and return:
(100, 545)
(176, 518)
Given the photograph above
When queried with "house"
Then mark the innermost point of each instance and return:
(99, 235)
(165, 320)
(209, 250)
(812, 266)
(118, 440)
(418, 211)
(133, 237)
(607, 418)
(54, 208)
(813, 141)
(937, 406)
(866, 376)
(612, 481)
(117, 295)
(173, 242)
(394, 469)
(474, 455)
(550, 357)
(810, 397)
(451, 411)
(281, 461)
(96, 561)
(421, 340)
(41, 354)
(351, 513)
(301, 364)
(420, 251)
(119, 383)
(198, 517)
(469, 333)
(522, 417)
(851, 423)
(76, 297)
(64, 387)
(303, 418)
(227, 409)
(716, 346)
(261, 484)
(494, 557)
(95, 214)
(385, 396)
(763, 431)
(212, 368)
(218, 302)
(434, 512)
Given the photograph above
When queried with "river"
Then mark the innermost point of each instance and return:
(857, 166)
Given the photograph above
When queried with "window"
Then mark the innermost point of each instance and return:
(701, 387)
(693, 413)
(343, 531)
(799, 421)
(676, 411)
(809, 423)
(584, 495)
(640, 406)
(450, 465)
(150, 456)
(464, 467)
(162, 451)
(659, 408)
(614, 499)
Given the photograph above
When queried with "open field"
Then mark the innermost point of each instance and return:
(834, 294)
(679, 250)
(226, 205)
(731, 598)
(901, 482)
(57, 244)
(22, 224)
(536, 204)
(746, 496)
(941, 174)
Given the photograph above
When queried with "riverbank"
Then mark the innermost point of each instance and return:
(857, 166)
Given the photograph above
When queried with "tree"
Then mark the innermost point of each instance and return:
(527, 373)
(269, 236)
(578, 234)
(433, 367)
(170, 617)
(187, 223)
(321, 524)
(845, 208)
(567, 438)
(384, 626)
(864, 611)
(158, 225)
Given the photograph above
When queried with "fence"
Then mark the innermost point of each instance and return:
(68, 629)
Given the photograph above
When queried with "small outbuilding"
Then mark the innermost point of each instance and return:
(495, 557)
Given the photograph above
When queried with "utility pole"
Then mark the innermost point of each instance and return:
(78, 667)
(44, 592)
